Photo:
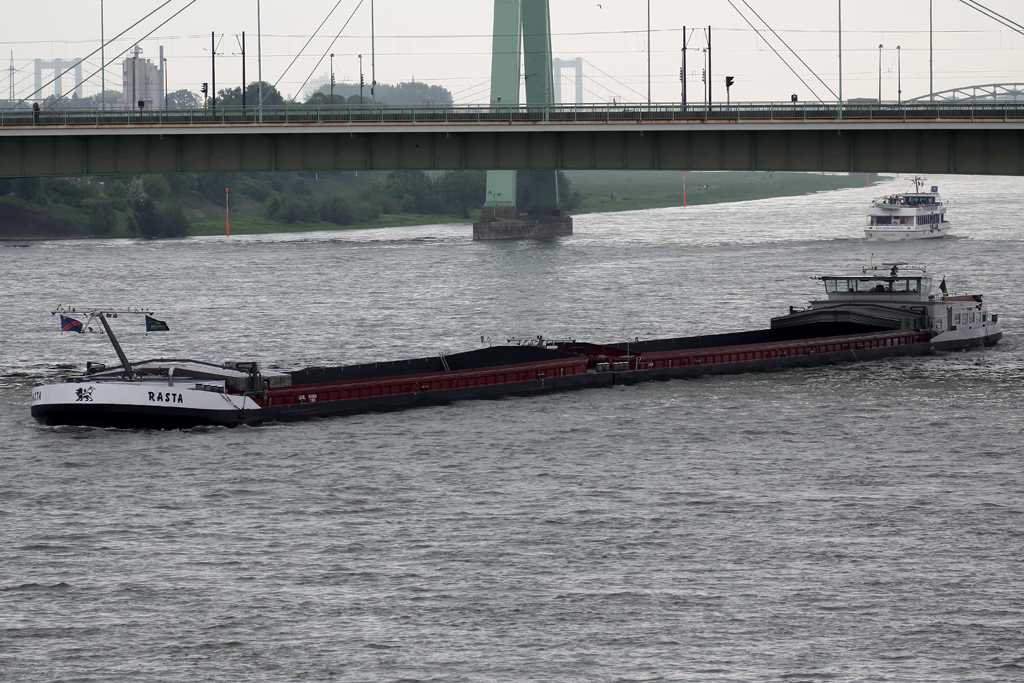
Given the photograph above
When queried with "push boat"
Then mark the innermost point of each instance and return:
(912, 215)
(876, 314)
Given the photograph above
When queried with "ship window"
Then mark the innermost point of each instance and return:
(972, 317)
(838, 286)
(872, 285)
(938, 324)
(984, 317)
(899, 285)
(956, 319)
(913, 285)
(882, 220)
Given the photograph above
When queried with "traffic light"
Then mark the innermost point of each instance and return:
(729, 81)
(205, 88)
(703, 75)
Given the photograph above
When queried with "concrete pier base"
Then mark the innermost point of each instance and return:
(505, 223)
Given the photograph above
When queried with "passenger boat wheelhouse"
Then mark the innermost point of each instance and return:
(914, 215)
(875, 314)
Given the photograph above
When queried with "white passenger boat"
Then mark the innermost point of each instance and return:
(898, 296)
(914, 215)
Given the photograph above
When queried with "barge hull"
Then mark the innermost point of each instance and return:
(575, 382)
(135, 417)
(663, 361)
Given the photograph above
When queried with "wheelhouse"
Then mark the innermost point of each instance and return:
(876, 284)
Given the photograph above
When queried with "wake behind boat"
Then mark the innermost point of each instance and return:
(913, 215)
(876, 314)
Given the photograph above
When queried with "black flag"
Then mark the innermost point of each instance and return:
(154, 325)
(942, 286)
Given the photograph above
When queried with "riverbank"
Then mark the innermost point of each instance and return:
(19, 224)
(605, 191)
(598, 192)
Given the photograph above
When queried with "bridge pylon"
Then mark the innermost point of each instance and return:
(521, 48)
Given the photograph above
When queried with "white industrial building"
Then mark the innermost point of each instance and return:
(143, 81)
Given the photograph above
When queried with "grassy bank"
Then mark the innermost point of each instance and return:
(659, 189)
(256, 224)
(301, 202)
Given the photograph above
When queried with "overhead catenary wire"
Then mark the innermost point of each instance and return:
(51, 41)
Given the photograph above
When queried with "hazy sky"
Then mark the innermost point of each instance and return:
(447, 42)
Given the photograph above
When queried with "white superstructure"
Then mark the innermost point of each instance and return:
(914, 215)
(897, 296)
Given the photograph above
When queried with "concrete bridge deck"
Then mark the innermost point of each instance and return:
(939, 137)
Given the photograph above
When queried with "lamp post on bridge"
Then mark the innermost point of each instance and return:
(360, 80)
(879, 73)
(840, 108)
(332, 79)
(899, 76)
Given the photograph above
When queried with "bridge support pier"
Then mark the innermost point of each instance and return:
(522, 27)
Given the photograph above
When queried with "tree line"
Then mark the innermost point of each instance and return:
(345, 94)
(157, 205)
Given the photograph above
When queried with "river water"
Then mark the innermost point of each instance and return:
(849, 523)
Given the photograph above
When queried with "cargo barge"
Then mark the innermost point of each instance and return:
(865, 317)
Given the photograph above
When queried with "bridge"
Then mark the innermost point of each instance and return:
(974, 137)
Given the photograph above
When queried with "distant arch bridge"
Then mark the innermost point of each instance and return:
(991, 92)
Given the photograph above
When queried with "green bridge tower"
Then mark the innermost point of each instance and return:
(521, 48)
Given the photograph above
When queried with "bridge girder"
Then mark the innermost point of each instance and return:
(996, 149)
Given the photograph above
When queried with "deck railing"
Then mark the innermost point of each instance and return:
(306, 115)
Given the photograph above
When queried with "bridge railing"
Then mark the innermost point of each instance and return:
(305, 115)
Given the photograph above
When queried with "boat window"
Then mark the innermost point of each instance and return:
(872, 285)
(899, 286)
(972, 317)
(882, 220)
(938, 324)
(984, 317)
(839, 285)
(956, 319)
(926, 284)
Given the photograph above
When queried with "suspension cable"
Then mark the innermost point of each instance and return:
(789, 48)
(321, 60)
(303, 48)
(742, 16)
(995, 16)
(79, 62)
(118, 55)
(604, 73)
